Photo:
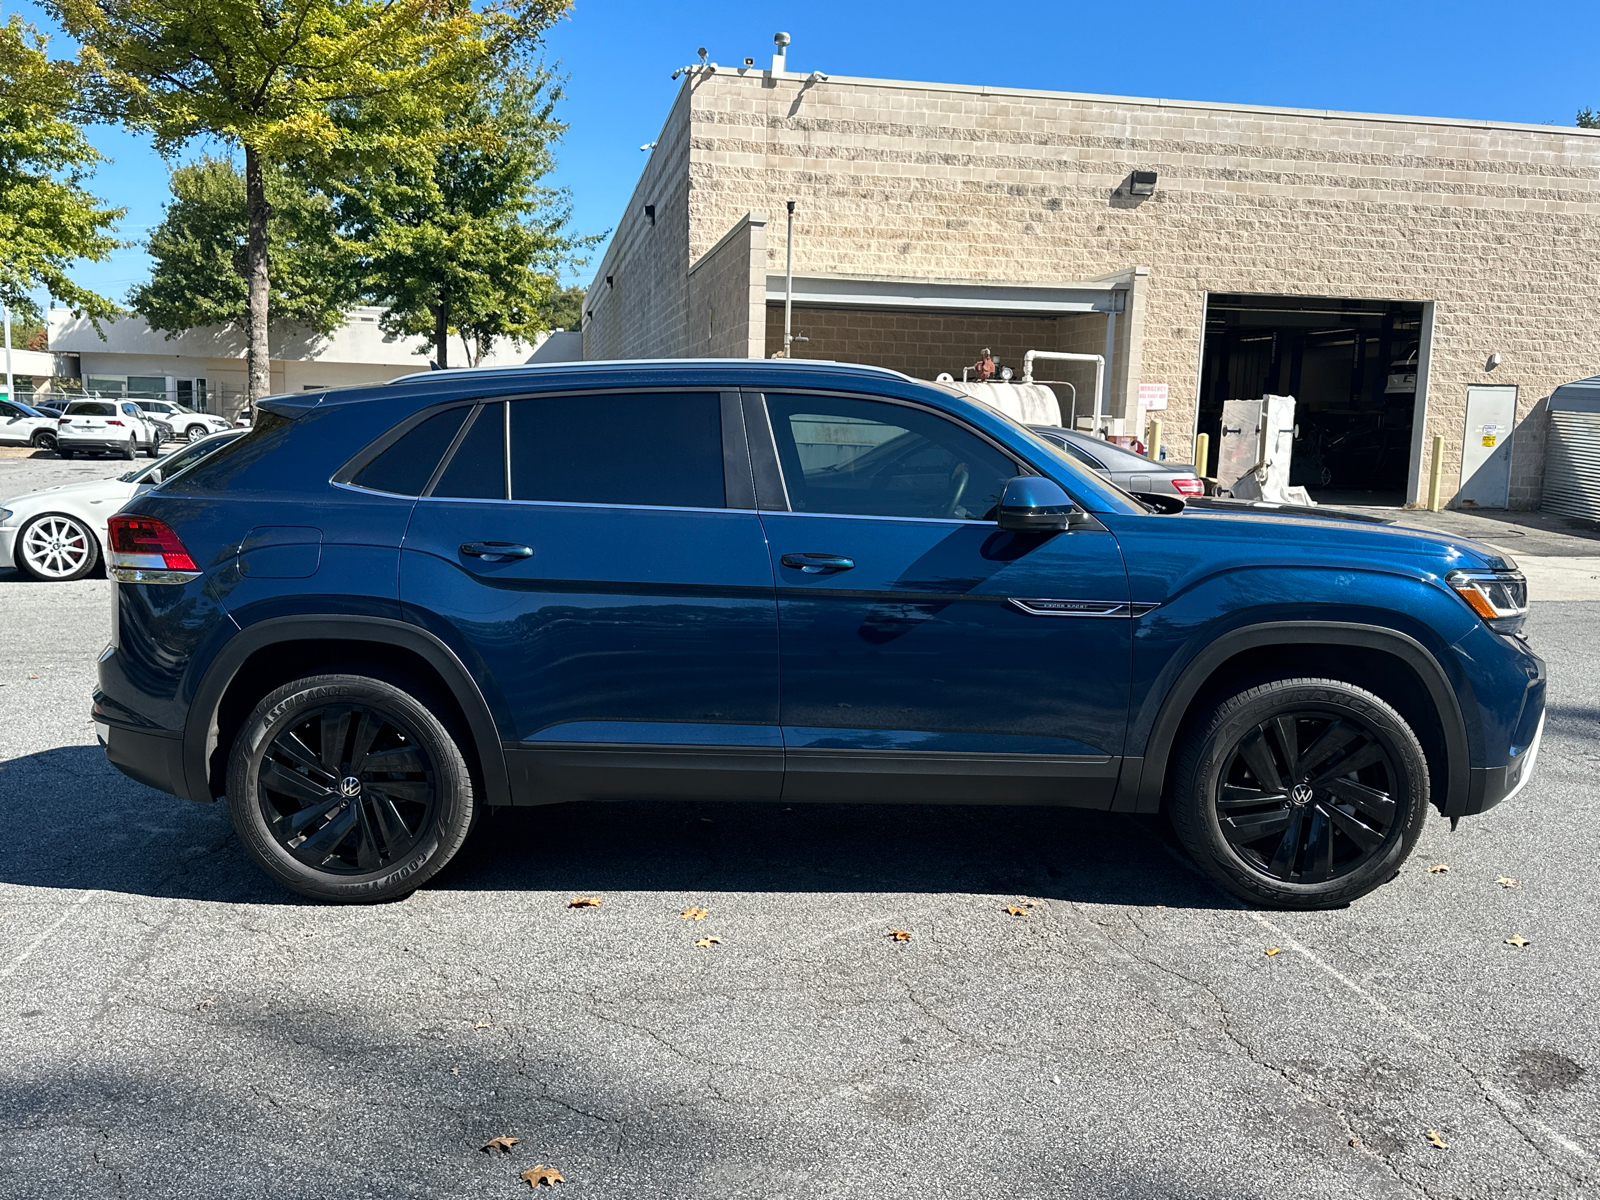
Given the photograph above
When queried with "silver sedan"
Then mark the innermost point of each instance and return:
(1129, 471)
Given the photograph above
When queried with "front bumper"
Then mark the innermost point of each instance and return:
(1489, 786)
(8, 544)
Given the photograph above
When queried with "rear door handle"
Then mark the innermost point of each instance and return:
(816, 564)
(496, 551)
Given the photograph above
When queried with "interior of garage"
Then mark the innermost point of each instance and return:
(1351, 366)
(924, 343)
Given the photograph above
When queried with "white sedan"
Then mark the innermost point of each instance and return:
(60, 533)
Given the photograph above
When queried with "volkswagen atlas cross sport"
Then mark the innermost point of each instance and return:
(387, 608)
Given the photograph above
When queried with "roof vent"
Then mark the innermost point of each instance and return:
(780, 60)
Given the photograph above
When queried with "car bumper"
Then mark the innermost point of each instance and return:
(8, 544)
(154, 759)
(1489, 786)
(90, 445)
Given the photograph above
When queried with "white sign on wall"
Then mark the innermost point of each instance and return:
(1152, 395)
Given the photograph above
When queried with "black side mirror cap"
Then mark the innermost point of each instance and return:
(1034, 504)
(1161, 503)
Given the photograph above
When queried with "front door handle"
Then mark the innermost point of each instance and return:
(496, 551)
(816, 564)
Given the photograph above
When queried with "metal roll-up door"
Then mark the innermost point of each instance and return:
(1572, 470)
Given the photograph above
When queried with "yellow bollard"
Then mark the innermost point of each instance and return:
(1153, 446)
(1202, 451)
(1435, 470)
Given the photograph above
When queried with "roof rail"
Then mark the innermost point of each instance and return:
(782, 364)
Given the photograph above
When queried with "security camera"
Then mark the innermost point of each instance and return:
(818, 77)
(749, 62)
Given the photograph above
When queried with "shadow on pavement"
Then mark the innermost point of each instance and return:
(68, 819)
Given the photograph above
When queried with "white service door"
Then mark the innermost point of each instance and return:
(1486, 447)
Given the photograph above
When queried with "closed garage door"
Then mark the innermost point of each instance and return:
(1572, 465)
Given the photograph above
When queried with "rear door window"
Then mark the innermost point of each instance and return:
(659, 449)
(477, 470)
(92, 408)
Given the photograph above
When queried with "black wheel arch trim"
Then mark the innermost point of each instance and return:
(200, 732)
(1143, 778)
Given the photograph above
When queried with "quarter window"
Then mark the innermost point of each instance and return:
(662, 449)
(871, 458)
(405, 467)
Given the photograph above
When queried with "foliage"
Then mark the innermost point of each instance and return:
(48, 219)
(201, 264)
(564, 310)
(468, 243)
(1588, 118)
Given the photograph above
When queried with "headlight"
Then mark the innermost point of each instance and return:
(1499, 597)
(5, 515)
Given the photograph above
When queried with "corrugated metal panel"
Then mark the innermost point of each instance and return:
(1572, 468)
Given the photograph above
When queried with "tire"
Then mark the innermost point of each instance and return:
(63, 452)
(1313, 837)
(396, 835)
(44, 440)
(194, 433)
(154, 449)
(132, 451)
(56, 548)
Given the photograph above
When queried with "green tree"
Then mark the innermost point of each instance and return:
(48, 220)
(1588, 118)
(201, 272)
(565, 308)
(309, 84)
(468, 242)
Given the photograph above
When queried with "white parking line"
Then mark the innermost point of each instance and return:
(16, 962)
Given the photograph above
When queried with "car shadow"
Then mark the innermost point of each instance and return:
(68, 819)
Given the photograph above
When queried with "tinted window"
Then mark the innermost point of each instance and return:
(406, 466)
(869, 458)
(9, 410)
(662, 449)
(1076, 452)
(477, 470)
(92, 408)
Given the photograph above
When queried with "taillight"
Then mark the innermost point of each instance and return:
(145, 550)
(113, 421)
(1188, 485)
(62, 420)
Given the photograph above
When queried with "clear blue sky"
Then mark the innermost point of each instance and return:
(1508, 62)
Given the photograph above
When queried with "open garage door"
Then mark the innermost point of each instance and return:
(1351, 366)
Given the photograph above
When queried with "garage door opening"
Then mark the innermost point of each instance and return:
(1351, 366)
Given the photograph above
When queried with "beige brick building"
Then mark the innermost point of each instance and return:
(1369, 265)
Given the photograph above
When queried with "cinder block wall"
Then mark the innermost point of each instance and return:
(1498, 225)
(728, 294)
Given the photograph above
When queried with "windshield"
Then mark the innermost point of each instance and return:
(167, 466)
(29, 410)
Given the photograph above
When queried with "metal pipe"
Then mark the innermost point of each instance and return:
(11, 389)
(788, 287)
(1099, 361)
(1072, 421)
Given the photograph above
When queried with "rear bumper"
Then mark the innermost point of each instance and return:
(91, 445)
(154, 759)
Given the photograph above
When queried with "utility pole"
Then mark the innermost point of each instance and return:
(789, 282)
(11, 390)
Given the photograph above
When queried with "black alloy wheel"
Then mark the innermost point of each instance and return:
(1300, 793)
(44, 440)
(1307, 796)
(348, 788)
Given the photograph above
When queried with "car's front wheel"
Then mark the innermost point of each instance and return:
(347, 788)
(194, 433)
(1302, 793)
(54, 548)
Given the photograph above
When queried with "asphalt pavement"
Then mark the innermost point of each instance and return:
(174, 1024)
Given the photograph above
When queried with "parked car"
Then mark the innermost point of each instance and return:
(51, 408)
(181, 421)
(59, 534)
(23, 425)
(107, 427)
(387, 609)
(1129, 471)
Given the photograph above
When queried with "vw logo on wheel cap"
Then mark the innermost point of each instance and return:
(349, 787)
(1300, 794)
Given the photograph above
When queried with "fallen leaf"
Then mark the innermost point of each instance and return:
(202, 1005)
(584, 902)
(500, 1145)
(481, 1025)
(1018, 910)
(694, 914)
(33, 677)
(455, 1070)
(706, 943)
(1435, 1138)
(542, 1175)
(1356, 1142)
(1516, 939)
(900, 935)
(1273, 951)
(1506, 881)
(1438, 868)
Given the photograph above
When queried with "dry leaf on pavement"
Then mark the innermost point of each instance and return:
(1437, 1139)
(480, 1025)
(542, 1174)
(584, 902)
(1273, 951)
(1506, 881)
(694, 914)
(900, 935)
(500, 1145)
(1019, 910)
(706, 943)
(1516, 939)
(1438, 868)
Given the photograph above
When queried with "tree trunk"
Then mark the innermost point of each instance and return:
(441, 335)
(258, 355)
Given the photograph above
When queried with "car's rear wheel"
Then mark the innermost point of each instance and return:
(154, 448)
(44, 440)
(132, 449)
(54, 548)
(346, 788)
(1302, 793)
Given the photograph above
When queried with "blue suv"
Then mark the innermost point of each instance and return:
(388, 608)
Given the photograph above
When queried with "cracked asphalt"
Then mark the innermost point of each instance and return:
(173, 1024)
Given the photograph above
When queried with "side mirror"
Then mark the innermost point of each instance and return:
(1034, 504)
